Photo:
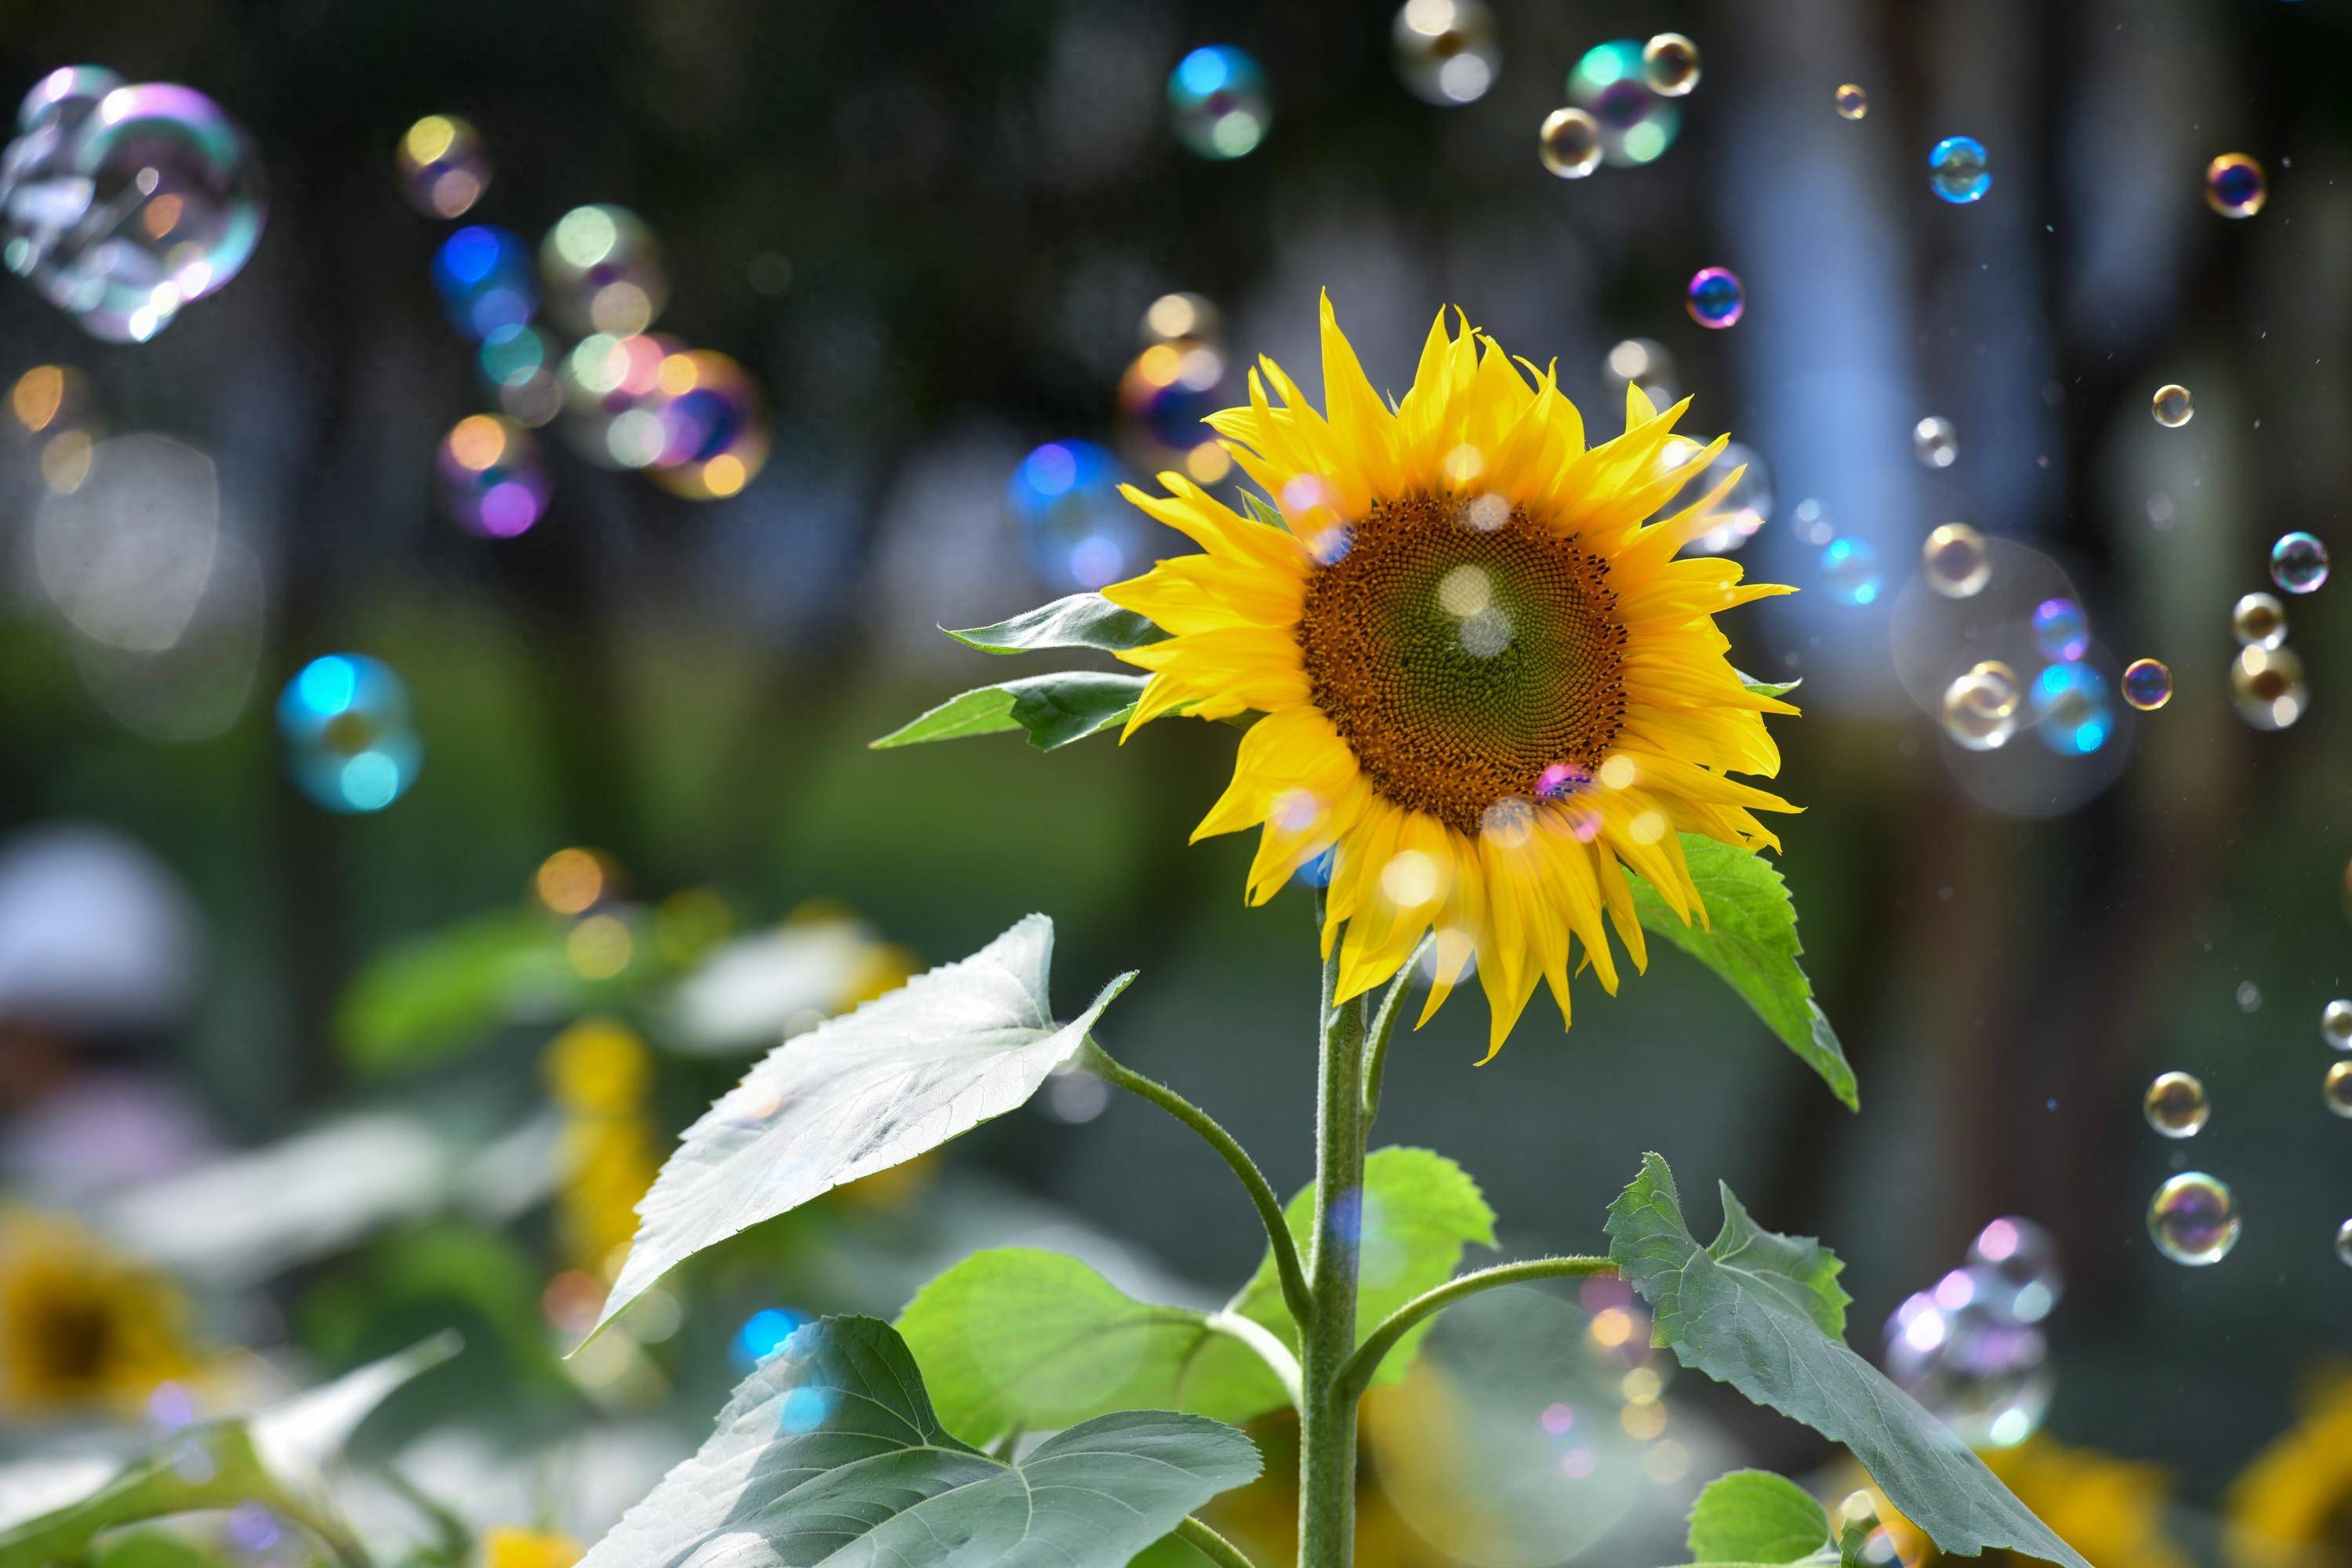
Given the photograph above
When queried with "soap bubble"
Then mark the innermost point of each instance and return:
(1743, 509)
(2258, 620)
(1448, 51)
(483, 276)
(1979, 709)
(1850, 570)
(1636, 124)
(1168, 389)
(1569, 142)
(2061, 630)
(614, 399)
(2072, 712)
(1956, 561)
(2298, 563)
(1958, 1350)
(2147, 684)
(1936, 442)
(603, 271)
(444, 167)
(2336, 1024)
(1182, 319)
(53, 410)
(125, 209)
(1670, 65)
(1643, 363)
(1218, 101)
(2175, 1105)
(492, 478)
(2024, 1258)
(2344, 1242)
(1076, 528)
(2172, 405)
(1715, 297)
(350, 744)
(2335, 1087)
(1956, 169)
(1853, 103)
(1810, 522)
(2235, 186)
(2267, 684)
(714, 427)
(2193, 1218)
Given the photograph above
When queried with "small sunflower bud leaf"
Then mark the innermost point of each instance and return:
(1749, 939)
(1082, 620)
(1755, 1516)
(1764, 1313)
(1055, 710)
(830, 1451)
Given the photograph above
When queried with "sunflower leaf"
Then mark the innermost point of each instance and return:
(1058, 709)
(873, 1089)
(1081, 620)
(830, 1451)
(1264, 510)
(1749, 939)
(1764, 1313)
(1763, 688)
(1755, 1516)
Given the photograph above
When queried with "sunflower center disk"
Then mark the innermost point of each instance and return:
(1466, 657)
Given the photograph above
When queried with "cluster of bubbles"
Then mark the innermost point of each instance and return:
(2266, 681)
(123, 202)
(2235, 186)
(1180, 376)
(1218, 102)
(1971, 1348)
(1958, 170)
(1715, 297)
(350, 740)
(1448, 51)
(1621, 107)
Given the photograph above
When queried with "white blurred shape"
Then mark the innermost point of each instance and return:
(95, 932)
(126, 554)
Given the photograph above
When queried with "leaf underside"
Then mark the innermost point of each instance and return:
(1055, 710)
(1081, 620)
(1755, 1516)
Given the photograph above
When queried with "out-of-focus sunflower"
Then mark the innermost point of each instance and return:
(1489, 686)
(2291, 1506)
(505, 1546)
(81, 1326)
(601, 1076)
(2108, 1508)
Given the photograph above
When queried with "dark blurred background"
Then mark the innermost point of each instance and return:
(929, 234)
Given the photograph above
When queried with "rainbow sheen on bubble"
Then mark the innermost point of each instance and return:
(2193, 1219)
(350, 739)
(1715, 297)
(1447, 52)
(2061, 630)
(613, 398)
(714, 425)
(483, 276)
(1569, 144)
(2258, 620)
(2172, 405)
(2266, 685)
(2147, 684)
(2074, 711)
(1961, 1349)
(1636, 125)
(493, 479)
(1955, 561)
(1076, 531)
(2235, 186)
(2176, 1106)
(2299, 562)
(1958, 170)
(603, 271)
(443, 164)
(1218, 102)
(1850, 570)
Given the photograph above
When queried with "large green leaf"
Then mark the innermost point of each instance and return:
(1058, 709)
(1749, 939)
(830, 1453)
(860, 1093)
(1755, 1516)
(1082, 620)
(434, 995)
(1764, 1313)
(1017, 1339)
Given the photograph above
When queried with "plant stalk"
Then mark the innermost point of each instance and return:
(1326, 1413)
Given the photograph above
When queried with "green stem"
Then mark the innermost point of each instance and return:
(1327, 1415)
(1357, 1374)
(1294, 1294)
(1211, 1546)
(1384, 1024)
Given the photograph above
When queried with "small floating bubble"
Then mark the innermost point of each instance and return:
(350, 744)
(2061, 630)
(1958, 171)
(2267, 684)
(1636, 125)
(2258, 620)
(1956, 562)
(1643, 363)
(2193, 1218)
(1850, 570)
(2298, 563)
(1670, 65)
(1716, 297)
(1218, 101)
(1853, 103)
(1569, 143)
(1981, 709)
(2235, 186)
(2335, 1087)
(2072, 713)
(2172, 405)
(2147, 684)
(1936, 442)
(602, 271)
(1448, 51)
(444, 167)
(2336, 1024)
(2175, 1105)
(2344, 1242)
(1810, 522)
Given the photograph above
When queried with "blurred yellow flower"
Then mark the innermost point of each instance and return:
(2109, 1509)
(2292, 1507)
(504, 1546)
(81, 1326)
(1489, 686)
(600, 1075)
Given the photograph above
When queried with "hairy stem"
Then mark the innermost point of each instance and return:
(1326, 1415)
(1357, 1375)
(1295, 1293)
(1384, 1024)
(1211, 1546)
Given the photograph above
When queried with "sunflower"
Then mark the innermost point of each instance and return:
(2109, 1508)
(2293, 1505)
(1490, 689)
(81, 1327)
